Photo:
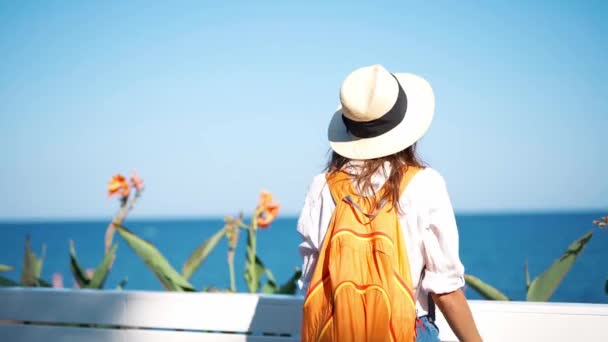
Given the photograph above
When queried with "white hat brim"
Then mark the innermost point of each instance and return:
(416, 122)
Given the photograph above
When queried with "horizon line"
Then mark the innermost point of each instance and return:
(480, 212)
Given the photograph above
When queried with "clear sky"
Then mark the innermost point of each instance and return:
(212, 101)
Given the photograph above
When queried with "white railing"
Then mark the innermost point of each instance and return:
(36, 314)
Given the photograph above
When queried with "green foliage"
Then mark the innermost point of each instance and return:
(201, 253)
(31, 271)
(290, 287)
(78, 272)
(156, 262)
(254, 268)
(271, 284)
(6, 282)
(173, 281)
(99, 275)
(232, 237)
(32, 266)
(543, 286)
(119, 186)
(485, 290)
(101, 272)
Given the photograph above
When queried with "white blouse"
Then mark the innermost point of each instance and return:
(429, 226)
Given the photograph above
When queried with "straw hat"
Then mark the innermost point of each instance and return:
(380, 113)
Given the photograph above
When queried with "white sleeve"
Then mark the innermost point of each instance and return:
(308, 228)
(444, 272)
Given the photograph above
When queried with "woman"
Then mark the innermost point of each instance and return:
(373, 136)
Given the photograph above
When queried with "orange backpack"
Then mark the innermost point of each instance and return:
(361, 288)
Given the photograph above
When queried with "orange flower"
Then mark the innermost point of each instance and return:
(269, 210)
(137, 182)
(265, 198)
(118, 185)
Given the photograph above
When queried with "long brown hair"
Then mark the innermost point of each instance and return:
(363, 179)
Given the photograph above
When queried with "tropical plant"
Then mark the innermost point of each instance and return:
(232, 227)
(155, 261)
(265, 213)
(151, 256)
(172, 280)
(119, 186)
(128, 192)
(31, 271)
(98, 277)
(544, 285)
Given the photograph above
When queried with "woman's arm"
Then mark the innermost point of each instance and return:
(456, 311)
(444, 271)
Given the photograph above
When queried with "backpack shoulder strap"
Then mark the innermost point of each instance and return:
(340, 185)
(410, 172)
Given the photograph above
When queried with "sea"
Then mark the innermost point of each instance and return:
(493, 247)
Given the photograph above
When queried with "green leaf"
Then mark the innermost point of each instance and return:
(79, 273)
(267, 271)
(254, 273)
(155, 261)
(5, 282)
(254, 268)
(269, 288)
(27, 273)
(485, 290)
(201, 253)
(271, 285)
(5, 268)
(101, 272)
(40, 262)
(32, 265)
(43, 283)
(290, 287)
(545, 284)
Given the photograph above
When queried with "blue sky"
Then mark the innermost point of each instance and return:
(212, 102)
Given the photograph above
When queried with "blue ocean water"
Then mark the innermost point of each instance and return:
(492, 247)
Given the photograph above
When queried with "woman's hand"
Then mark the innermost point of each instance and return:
(456, 311)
